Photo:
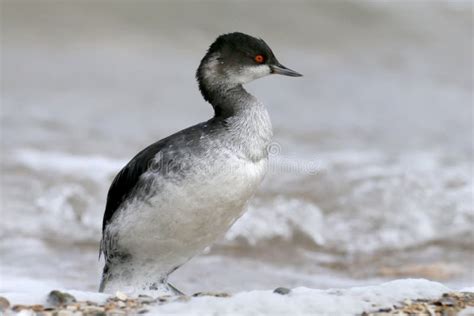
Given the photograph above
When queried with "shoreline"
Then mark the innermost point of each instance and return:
(398, 297)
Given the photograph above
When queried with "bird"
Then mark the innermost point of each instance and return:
(180, 194)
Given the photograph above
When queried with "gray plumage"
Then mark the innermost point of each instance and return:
(179, 195)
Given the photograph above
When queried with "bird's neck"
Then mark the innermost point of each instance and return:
(250, 129)
(225, 93)
(226, 99)
(246, 120)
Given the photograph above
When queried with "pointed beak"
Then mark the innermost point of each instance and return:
(282, 70)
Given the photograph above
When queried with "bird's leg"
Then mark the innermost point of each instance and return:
(175, 290)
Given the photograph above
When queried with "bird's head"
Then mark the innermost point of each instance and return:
(236, 59)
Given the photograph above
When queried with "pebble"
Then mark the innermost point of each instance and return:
(37, 308)
(65, 312)
(282, 291)
(72, 307)
(449, 304)
(121, 296)
(121, 304)
(215, 294)
(145, 299)
(19, 307)
(57, 298)
(446, 301)
(4, 303)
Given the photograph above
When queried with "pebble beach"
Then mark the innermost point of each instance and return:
(401, 297)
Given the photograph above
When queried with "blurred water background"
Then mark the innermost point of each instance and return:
(372, 168)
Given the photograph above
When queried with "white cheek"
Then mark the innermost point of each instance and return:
(248, 74)
(213, 76)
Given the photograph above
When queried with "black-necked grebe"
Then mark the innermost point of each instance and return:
(180, 194)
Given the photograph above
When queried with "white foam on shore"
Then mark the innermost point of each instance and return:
(300, 301)
(305, 301)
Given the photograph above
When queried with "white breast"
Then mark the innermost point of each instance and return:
(184, 218)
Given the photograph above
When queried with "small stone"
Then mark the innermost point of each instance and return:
(446, 301)
(109, 306)
(215, 294)
(57, 298)
(121, 304)
(93, 310)
(132, 303)
(221, 294)
(72, 308)
(431, 311)
(19, 307)
(143, 311)
(145, 299)
(282, 291)
(37, 308)
(121, 296)
(4, 303)
(183, 298)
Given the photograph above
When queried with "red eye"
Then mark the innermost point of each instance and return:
(259, 59)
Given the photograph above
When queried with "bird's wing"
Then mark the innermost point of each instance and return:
(125, 181)
(128, 178)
